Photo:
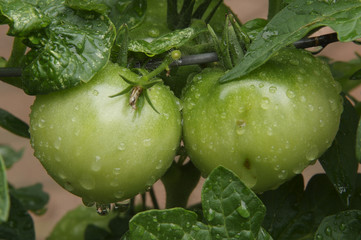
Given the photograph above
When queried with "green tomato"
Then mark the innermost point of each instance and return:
(73, 224)
(100, 148)
(266, 126)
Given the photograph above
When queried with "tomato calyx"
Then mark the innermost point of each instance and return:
(139, 85)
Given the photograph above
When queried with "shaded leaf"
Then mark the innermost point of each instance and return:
(282, 205)
(14, 124)
(19, 226)
(9, 155)
(339, 161)
(4, 194)
(293, 23)
(32, 198)
(344, 225)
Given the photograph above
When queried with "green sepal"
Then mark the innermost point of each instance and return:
(145, 92)
(128, 89)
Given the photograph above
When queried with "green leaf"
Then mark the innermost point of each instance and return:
(344, 225)
(32, 198)
(280, 204)
(13, 124)
(4, 194)
(344, 71)
(68, 50)
(274, 6)
(295, 214)
(293, 23)
(230, 208)
(358, 142)
(176, 223)
(23, 17)
(19, 226)
(9, 155)
(166, 42)
(339, 161)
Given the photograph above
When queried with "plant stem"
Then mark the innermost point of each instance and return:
(17, 53)
(154, 198)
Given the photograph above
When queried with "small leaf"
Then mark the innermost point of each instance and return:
(339, 161)
(4, 194)
(20, 225)
(293, 23)
(13, 124)
(9, 155)
(229, 207)
(344, 225)
(280, 205)
(32, 198)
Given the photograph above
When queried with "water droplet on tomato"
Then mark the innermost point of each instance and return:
(272, 89)
(312, 153)
(294, 62)
(121, 146)
(147, 142)
(119, 194)
(68, 186)
(87, 182)
(311, 107)
(290, 94)
(57, 143)
(116, 171)
(87, 202)
(41, 123)
(283, 174)
(159, 165)
(265, 103)
(96, 164)
(95, 92)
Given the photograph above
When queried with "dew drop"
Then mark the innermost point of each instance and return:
(122, 206)
(342, 227)
(57, 143)
(223, 115)
(159, 165)
(211, 214)
(243, 211)
(116, 171)
(311, 107)
(265, 103)
(283, 174)
(241, 131)
(294, 62)
(96, 165)
(312, 153)
(103, 209)
(68, 187)
(261, 85)
(290, 94)
(87, 202)
(121, 147)
(319, 237)
(41, 124)
(328, 231)
(272, 89)
(147, 142)
(241, 109)
(95, 92)
(303, 99)
(87, 182)
(119, 194)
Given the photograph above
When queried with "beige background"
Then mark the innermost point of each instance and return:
(29, 171)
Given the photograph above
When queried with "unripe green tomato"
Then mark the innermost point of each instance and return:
(266, 126)
(100, 148)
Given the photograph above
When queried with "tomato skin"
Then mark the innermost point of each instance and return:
(98, 147)
(267, 126)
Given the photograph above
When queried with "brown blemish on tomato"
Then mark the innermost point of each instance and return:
(247, 164)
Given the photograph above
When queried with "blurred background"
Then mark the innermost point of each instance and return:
(29, 171)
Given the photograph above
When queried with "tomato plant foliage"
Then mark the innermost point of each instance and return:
(131, 92)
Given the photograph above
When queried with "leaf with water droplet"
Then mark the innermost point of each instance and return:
(344, 225)
(226, 198)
